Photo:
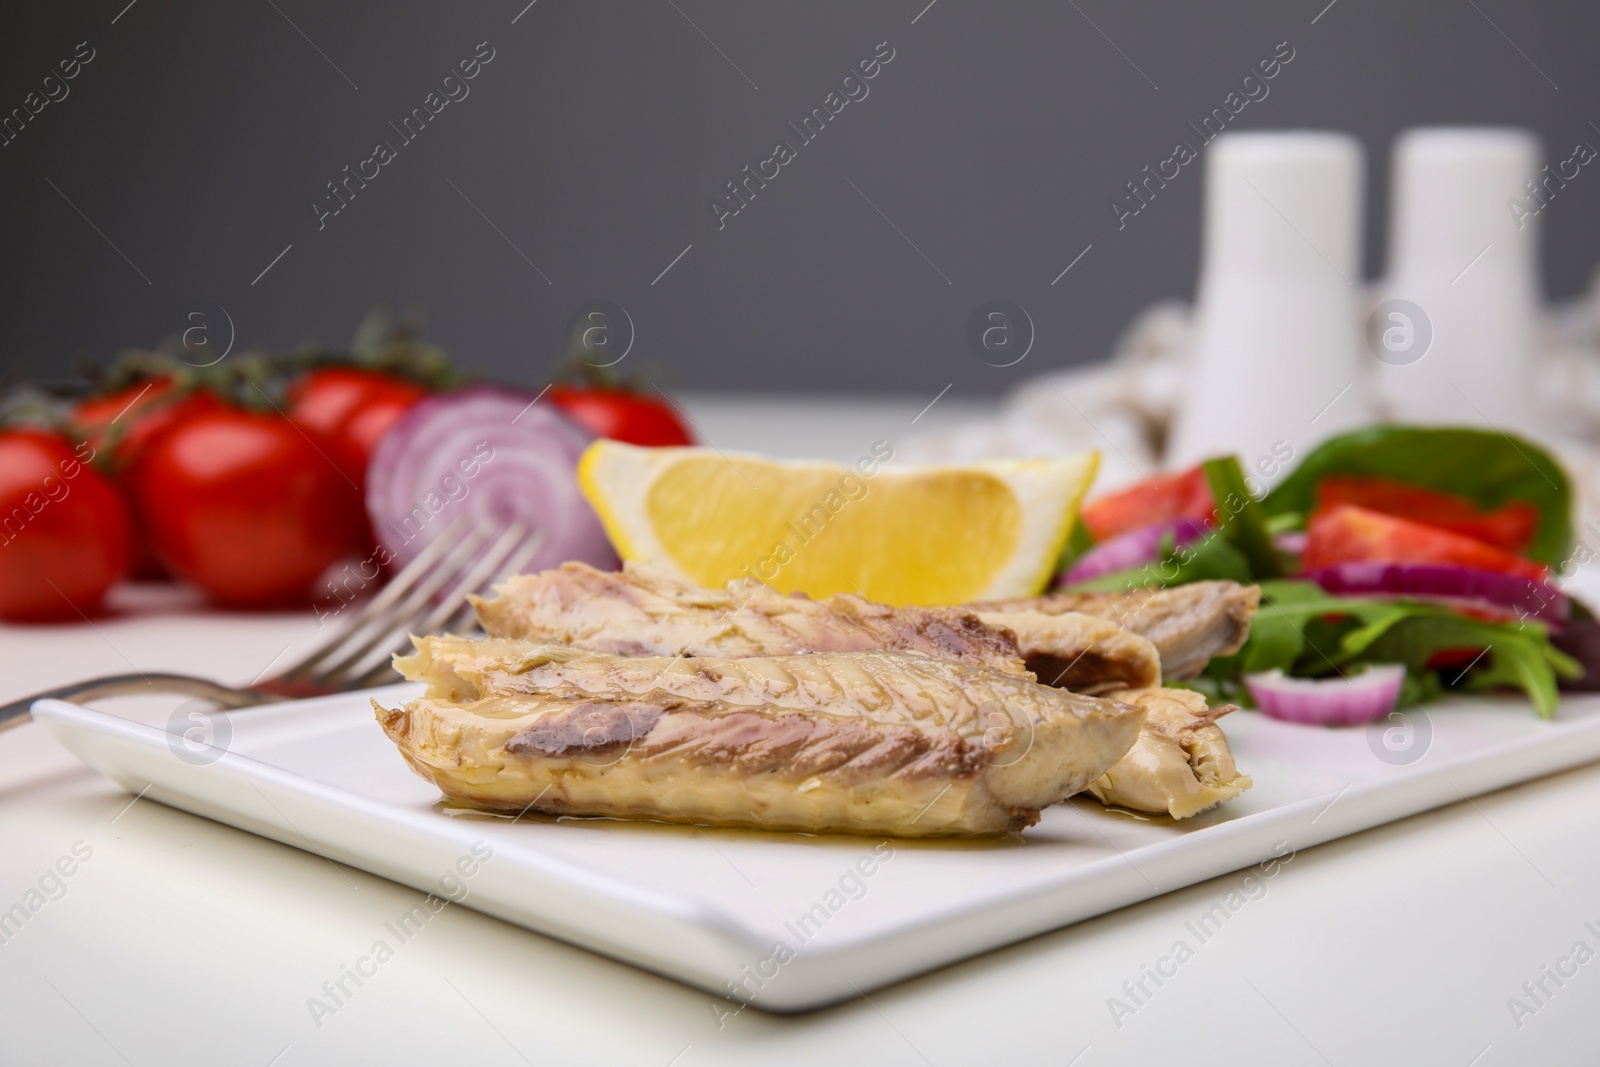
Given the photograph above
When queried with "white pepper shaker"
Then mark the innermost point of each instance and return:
(1455, 330)
(1276, 365)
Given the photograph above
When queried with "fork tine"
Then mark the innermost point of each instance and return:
(382, 673)
(383, 630)
(458, 616)
(482, 572)
(357, 639)
(402, 583)
(465, 615)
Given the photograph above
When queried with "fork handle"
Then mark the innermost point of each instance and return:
(16, 713)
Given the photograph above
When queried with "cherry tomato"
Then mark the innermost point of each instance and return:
(1158, 499)
(65, 537)
(120, 425)
(1509, 527)
(351, 409)
(126, 421)
(1350, 534)
(621, 415)
(245, 506)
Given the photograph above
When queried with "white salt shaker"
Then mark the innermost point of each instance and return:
(1455, 330)
(1276, 365)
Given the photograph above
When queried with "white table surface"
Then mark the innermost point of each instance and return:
(179, 941)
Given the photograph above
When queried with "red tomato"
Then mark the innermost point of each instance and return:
(65, 537)
(245, 506)
(1159, 499)
(351, 409)
(621, 415)
(129, 419)
(1350, 534)
(1510, 527)
(125, 422)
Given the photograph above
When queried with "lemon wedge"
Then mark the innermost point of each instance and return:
(899, 535)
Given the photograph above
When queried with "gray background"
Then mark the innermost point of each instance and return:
(200, 135)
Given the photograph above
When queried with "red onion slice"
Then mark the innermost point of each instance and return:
(488, 454)
(1368, 696)
(1135, 548)
(1507, 594)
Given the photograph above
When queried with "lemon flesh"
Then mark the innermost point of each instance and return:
(907, 535)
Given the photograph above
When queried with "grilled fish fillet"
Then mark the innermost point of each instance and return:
(1083, 653)
(1188, 624)
(642, 611)
(1181, 764)
(863, 742)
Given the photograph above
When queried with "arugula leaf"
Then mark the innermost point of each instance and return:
(1308, 633)
(1239, 516)
(1515, 657)
(1276, 642)
(1529, 667)
(1324, 645)
(1284, 635)
(1486, 467)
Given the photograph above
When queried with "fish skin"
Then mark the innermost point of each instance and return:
(1083, 653)
(1189, 624)
(641, 611)
(869, 742)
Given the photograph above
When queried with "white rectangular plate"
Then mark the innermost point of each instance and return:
(790, 922)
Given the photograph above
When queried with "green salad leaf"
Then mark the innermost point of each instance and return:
(1307, 633)
(1239, 516)
(1485, 466)
(1515, 656)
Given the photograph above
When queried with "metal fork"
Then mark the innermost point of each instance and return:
(357, 655)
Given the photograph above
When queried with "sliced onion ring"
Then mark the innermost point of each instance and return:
(486, 454)
(1365, 697)
(1507, 594)
(1135, 548)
